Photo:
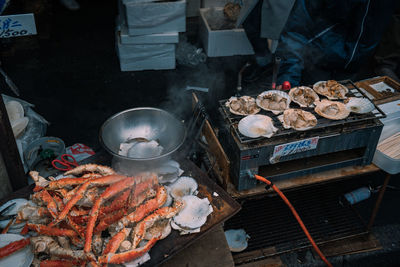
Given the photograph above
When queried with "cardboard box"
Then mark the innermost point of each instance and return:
(218, 43)
(144, 17)
(145, 56)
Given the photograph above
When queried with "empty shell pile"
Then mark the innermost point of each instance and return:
(96, 217)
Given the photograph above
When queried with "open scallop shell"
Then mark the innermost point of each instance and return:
(359, 105)
(254, 126)
(297, 119)
(244, 105)
(194, 213)
(304, 96)
(183, 186)
(332, 110)
(275, 108)
(321, 88)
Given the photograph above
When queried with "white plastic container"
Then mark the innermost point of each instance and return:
(146, 17)
(157, 38)
(219, 43)
(145, 56)
(214, 3)
(386, 163)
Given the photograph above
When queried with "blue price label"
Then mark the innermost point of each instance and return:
(17, 25)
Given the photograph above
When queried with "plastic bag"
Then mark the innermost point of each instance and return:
(36, 128)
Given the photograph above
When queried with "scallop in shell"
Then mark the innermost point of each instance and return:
(332, 110)
(273, 100)
(244, 105)
(303, 95)
(359, 105)
(194, 213)
(297, 119)
(183, 186)
(254, 126)
(331, 89)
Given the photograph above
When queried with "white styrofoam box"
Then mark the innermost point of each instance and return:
(145, 56)
(218, 43)
(157, 38)
(214, 3)
(384, 162)
(192, 8)
(154, 17)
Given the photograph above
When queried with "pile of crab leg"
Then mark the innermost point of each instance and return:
(95, 217)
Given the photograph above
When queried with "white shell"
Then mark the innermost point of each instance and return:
(19, 125)
(183, 186)
(160, 228)
(236, 239)
(308, 90)
(318, 88)
(169, 172)
(184, 231)
(293, 113)
(194, 213)
(359, 105)
(254, 126)
(169, 200)
(342, 113)
(248, 99)
(15, 110)
(273, 92)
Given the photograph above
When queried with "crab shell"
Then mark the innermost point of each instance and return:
(194, 214)
(309, 91)
(246, 99)
(342, 114)
(359, 105)
(254, 126)
(317, 88)
(307, 114)
(273, 92)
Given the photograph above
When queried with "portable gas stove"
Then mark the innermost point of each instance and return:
(290, 153)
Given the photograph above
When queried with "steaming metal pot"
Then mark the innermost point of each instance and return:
(141, 123)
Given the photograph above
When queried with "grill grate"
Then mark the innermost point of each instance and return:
(323, 124)
(269, 222)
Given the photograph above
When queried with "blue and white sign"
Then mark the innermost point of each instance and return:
(293, 148)
(17, 25)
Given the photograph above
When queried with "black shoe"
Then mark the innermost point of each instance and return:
(255, 72)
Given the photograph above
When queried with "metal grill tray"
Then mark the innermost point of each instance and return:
(323, 123)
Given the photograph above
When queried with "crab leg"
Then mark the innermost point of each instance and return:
(108, 220)
(59, 263)
(13, 247)
(44, 197)
(115, 241)
(127, 256)
(77, 228)
(51, 231)
(144, 209)
(103, 170)
(71, 203)
(99, 181)
(117, 203)
(162, 213)
(111, 191)
(79, 212)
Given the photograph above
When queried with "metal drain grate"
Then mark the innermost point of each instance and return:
(269, 222)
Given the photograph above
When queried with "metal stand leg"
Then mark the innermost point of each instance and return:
(378, 201)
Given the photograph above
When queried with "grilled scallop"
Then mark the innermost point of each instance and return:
(331, 89)
(332, 110)
(297, 119)
(244, 105)
(183, 186)
(274, 100)
(303, 95)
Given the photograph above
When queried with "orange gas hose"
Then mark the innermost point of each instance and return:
(296, 215)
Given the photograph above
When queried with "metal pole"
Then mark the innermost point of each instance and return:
(378, 201)
(9, 150)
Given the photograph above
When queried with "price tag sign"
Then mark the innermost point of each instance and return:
(17, 25)
(293, 148)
